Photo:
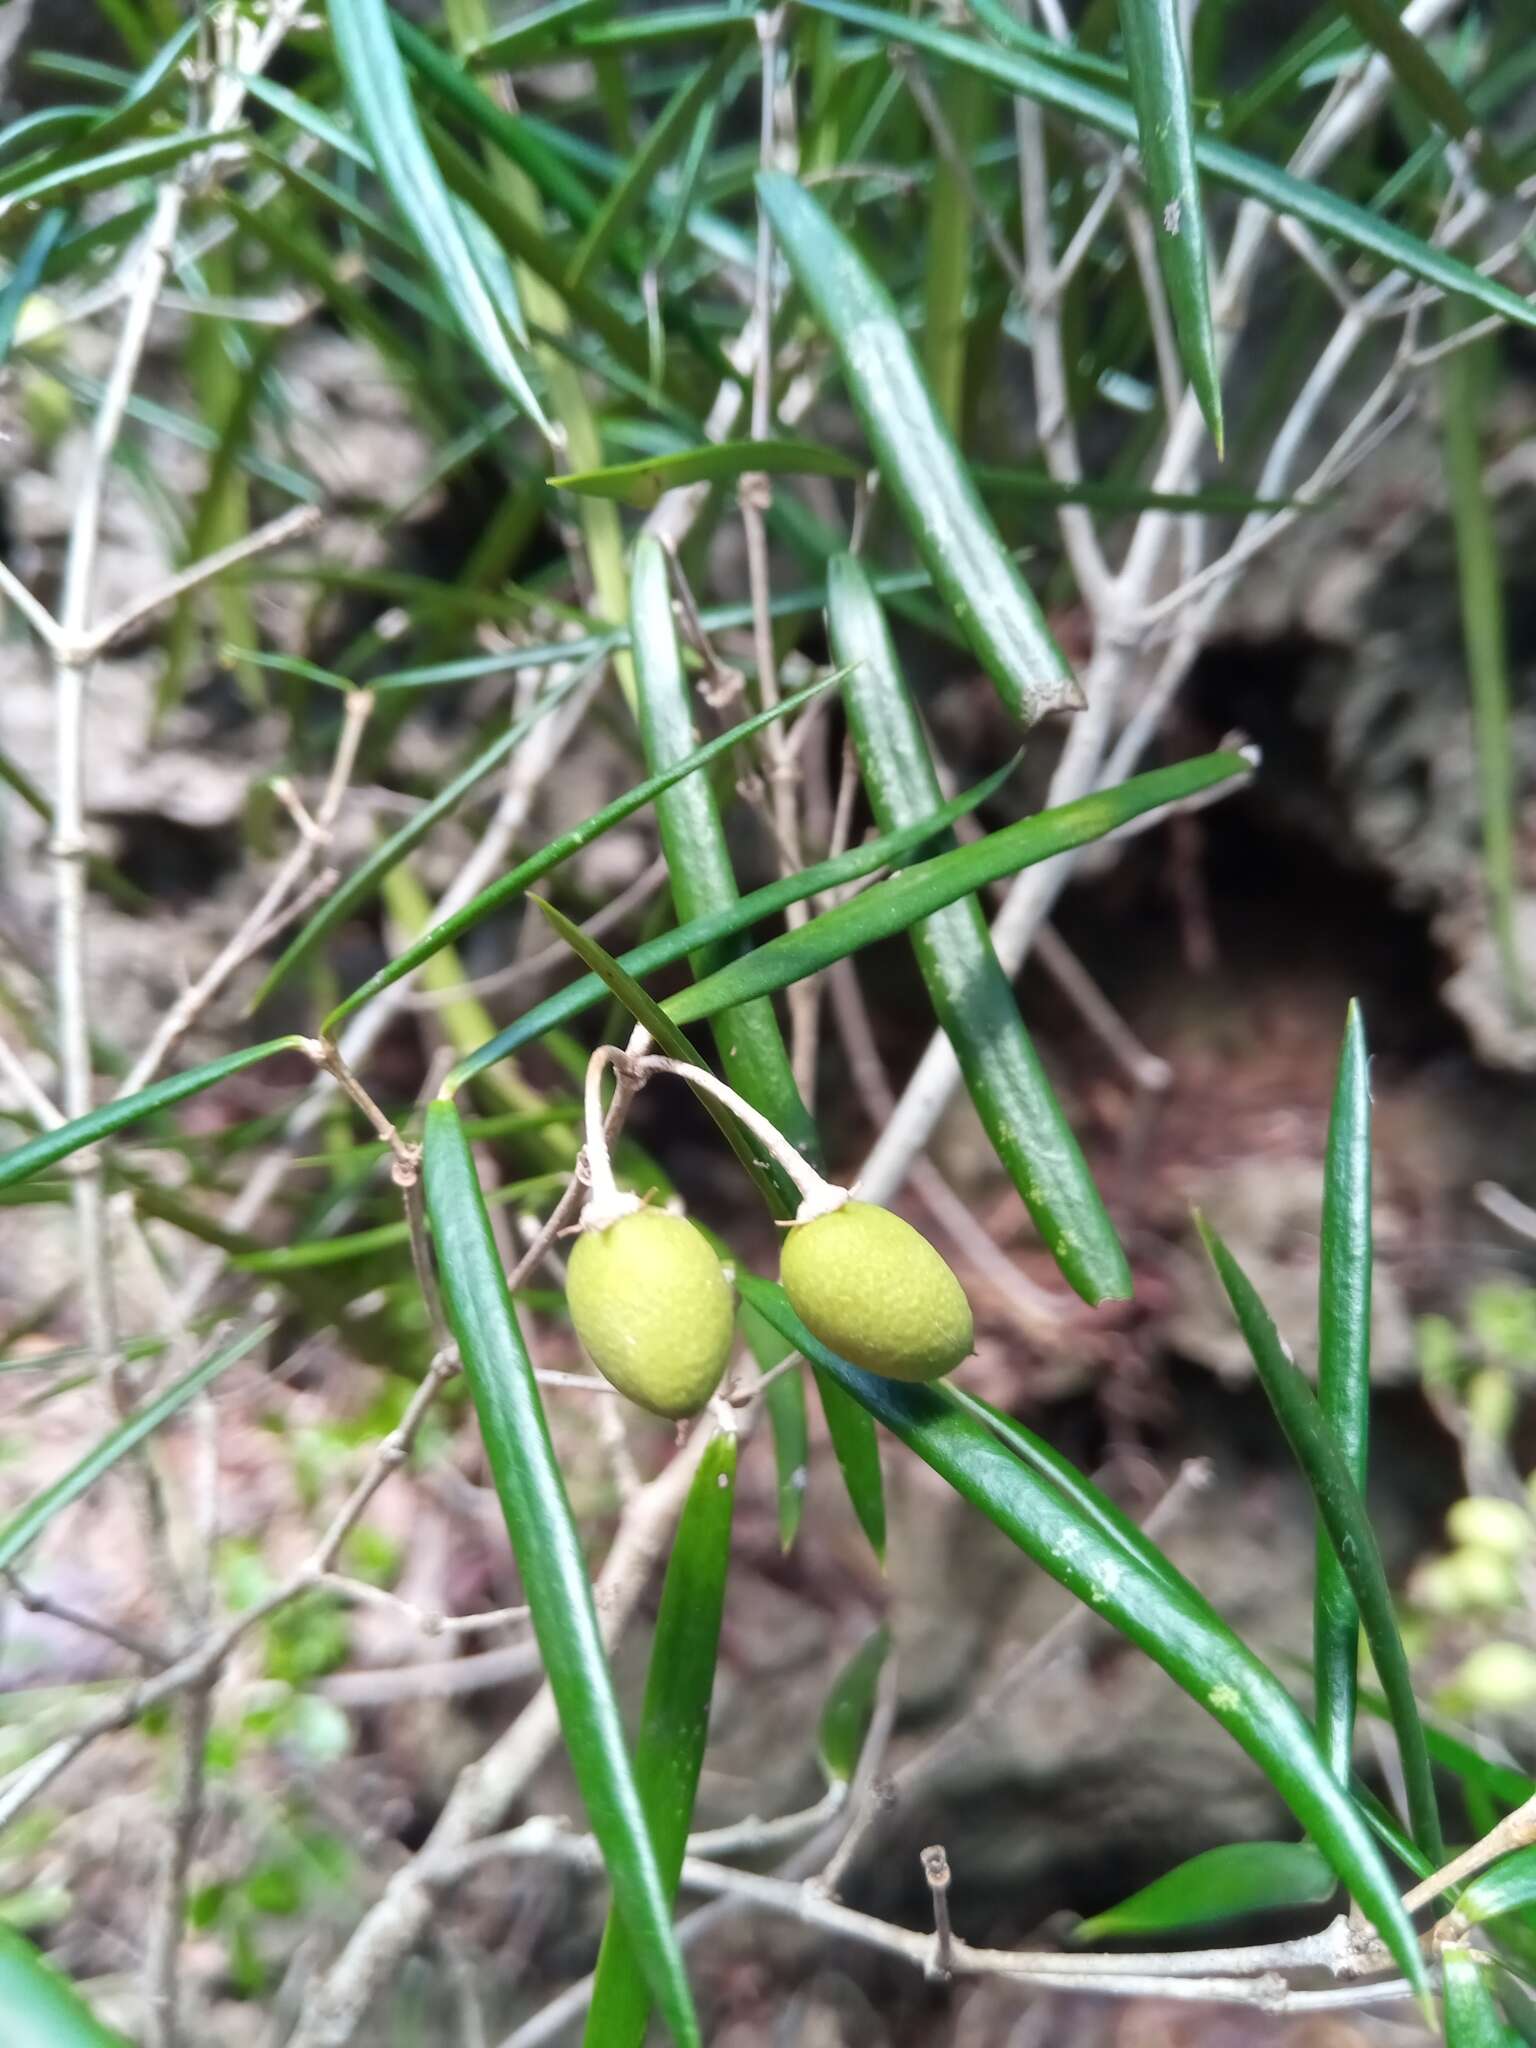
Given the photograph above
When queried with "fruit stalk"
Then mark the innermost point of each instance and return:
(818, 1196)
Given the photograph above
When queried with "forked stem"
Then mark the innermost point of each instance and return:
(818, 1197)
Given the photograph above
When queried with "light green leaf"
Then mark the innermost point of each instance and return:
(41, 2008)
(516, 883)
(849, 1708)
(1221, 1884)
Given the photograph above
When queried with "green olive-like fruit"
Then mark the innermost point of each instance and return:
(653, 1309)
(876, 1292)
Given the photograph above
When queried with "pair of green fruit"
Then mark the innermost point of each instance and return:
(655, 1313)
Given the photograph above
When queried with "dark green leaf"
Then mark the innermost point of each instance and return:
(643, 483)
(889, 850)
(1279, 190)
(51, 1146)
(1180, 1632)
(1343, 1381)
(515, 883)
(674, 1726)
(1422, 79)
(380, 95)
(951, 528)
(1154, 57)
(549, 1557)
(1222, 1884)
(857, 1450)
(29, 1522)
(785, 1400)
(972, 997)
(850, 1707)
(533, 29)
(88, 174)
(765, 1173)
(41, 2008)
(1343, 1514)
(666, 135)
(893, 906)
(699, 871)
(875, 914)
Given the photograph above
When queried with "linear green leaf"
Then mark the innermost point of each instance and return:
(644, 482)
(1472, 2018)
(1326, 1470)
(785, 1401)
(892, 906)
(1220, 1884)
(748, 1040)
(1181, 1634)
(1505, 1887)
(51, 1146)
(1496, 1779)
(888, 850)
(972, 997)
(857, 1450)
(26, 272)
(513, 661)
(765, 1173)
(361, 884)
(850, 1706)
(834, 934)
(506, 131)
(1236, 168)
(540, 25)
(381, 97)
(950, 527)
(1154, 57)
(1343, 1381)
(29, 1522)
(515, 883)
(1110, 1523)
(138, 102)
(42, 2008)
(665, 136)
(674, 1726)
(1416, 71)
(359, 1244)
(549, 1557)
(110, 167)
